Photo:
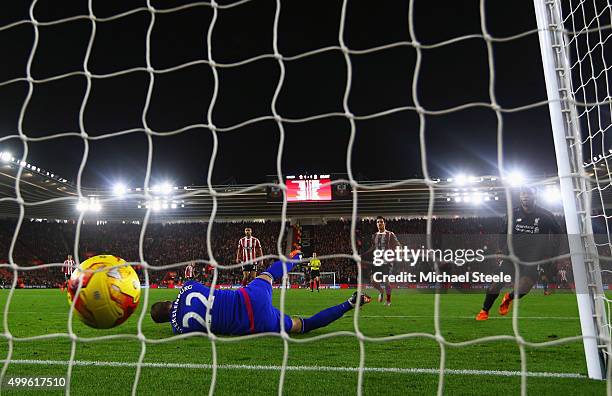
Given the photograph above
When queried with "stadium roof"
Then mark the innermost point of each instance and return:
(53, 198)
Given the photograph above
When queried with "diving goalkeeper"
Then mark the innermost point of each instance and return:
(247, 310)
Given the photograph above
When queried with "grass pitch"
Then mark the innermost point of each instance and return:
(324, 366)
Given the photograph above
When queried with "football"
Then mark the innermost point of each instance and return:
(109, 294)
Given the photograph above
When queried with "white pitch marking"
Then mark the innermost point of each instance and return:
(435, 371)
(464, 317)
(366, 316)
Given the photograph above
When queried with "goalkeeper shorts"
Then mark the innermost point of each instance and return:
(265, 316)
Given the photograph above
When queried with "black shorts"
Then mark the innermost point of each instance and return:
(530, 271)
(249, 268)
(314, 273)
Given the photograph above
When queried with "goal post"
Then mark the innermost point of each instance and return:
(295, 278)
(327, 278)
(574, 184)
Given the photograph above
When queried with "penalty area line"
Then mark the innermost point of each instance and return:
(456, 317)
(399, 370)
(471, 317)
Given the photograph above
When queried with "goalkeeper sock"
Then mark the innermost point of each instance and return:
(489, 300)
(325, 317)
(276, 269)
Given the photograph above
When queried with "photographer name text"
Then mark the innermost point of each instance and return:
(441, 277)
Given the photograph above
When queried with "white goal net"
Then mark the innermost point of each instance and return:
(585, 26)
(575, 54)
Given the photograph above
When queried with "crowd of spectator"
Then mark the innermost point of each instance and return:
(169, 243)
(163, 244)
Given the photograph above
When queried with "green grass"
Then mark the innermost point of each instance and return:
(39, 312)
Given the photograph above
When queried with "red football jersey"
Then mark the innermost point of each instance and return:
(247, 248)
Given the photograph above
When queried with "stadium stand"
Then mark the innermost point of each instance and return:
(166, 243)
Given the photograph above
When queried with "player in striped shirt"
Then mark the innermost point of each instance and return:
(189, 272)
(382, 240)
(562, 278)
(315, 272)
(67, 269)
(249, 248)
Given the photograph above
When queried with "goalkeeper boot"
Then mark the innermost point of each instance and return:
(504, 307)
(365, 299)
(482, 315)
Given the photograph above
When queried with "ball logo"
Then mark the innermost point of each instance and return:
(114, 273)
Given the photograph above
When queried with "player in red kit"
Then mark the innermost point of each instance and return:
(189, 272)
(382, 240)
(562, 278)
(67, 269)
(249, 248)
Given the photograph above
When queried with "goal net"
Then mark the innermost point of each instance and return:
(575, 50)
(573, 40)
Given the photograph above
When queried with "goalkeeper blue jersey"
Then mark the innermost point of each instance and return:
(229, 314)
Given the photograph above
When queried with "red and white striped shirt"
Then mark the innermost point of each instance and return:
(247, 248)
(68, 266)
(189, 271)
(563, 275)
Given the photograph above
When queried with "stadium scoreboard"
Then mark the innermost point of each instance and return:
(309, 188)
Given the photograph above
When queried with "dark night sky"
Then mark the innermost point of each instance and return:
(385, 148)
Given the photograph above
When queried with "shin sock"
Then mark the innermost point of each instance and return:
(325, 317)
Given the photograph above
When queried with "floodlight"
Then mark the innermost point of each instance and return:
(552, 194)
(461, 179)
(119, 189)
(165, 188)
(516, 179)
